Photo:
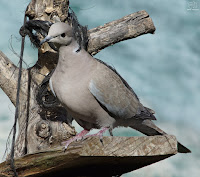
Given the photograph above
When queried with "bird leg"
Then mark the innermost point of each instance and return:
(100, 133)
(78, 137)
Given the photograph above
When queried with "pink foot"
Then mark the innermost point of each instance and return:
(78, 137)
(100, 133)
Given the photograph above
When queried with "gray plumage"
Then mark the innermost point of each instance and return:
(94, 93)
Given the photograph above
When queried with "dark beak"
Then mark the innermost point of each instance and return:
(46, 39)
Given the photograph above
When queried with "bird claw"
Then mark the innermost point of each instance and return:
(82, 136)
(101, 140)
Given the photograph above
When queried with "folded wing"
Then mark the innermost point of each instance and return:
(113, 94)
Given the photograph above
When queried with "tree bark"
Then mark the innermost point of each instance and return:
(130, 26)
(36, 130)
(8, 79)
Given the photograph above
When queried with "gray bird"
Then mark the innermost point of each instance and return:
(93, 92)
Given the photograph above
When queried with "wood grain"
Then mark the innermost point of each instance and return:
(89, 157)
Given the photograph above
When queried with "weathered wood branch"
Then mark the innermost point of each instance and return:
(8, 80)
(130, 26)
(37, 129)
(89, 157)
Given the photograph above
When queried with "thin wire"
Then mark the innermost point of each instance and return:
(17, 105)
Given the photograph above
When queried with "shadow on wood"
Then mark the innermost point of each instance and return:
(91, 157)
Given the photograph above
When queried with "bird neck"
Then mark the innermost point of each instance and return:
(71, 57)
(72, 47)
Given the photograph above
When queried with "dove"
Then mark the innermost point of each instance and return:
(93, 93)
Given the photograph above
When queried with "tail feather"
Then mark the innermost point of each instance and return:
(183, 149)
(148, 128)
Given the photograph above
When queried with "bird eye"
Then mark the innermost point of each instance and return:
(63, 34)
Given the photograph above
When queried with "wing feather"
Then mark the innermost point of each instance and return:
(108, 88)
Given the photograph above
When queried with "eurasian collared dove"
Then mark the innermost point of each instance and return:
(93, 92)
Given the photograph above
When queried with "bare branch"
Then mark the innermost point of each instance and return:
(8, 77)
(130, 26)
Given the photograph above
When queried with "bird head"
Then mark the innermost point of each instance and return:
(59, 33)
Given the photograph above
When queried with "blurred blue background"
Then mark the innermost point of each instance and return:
(163, 69)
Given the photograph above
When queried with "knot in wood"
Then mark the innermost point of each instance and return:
(43, 126)
(43, 129)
